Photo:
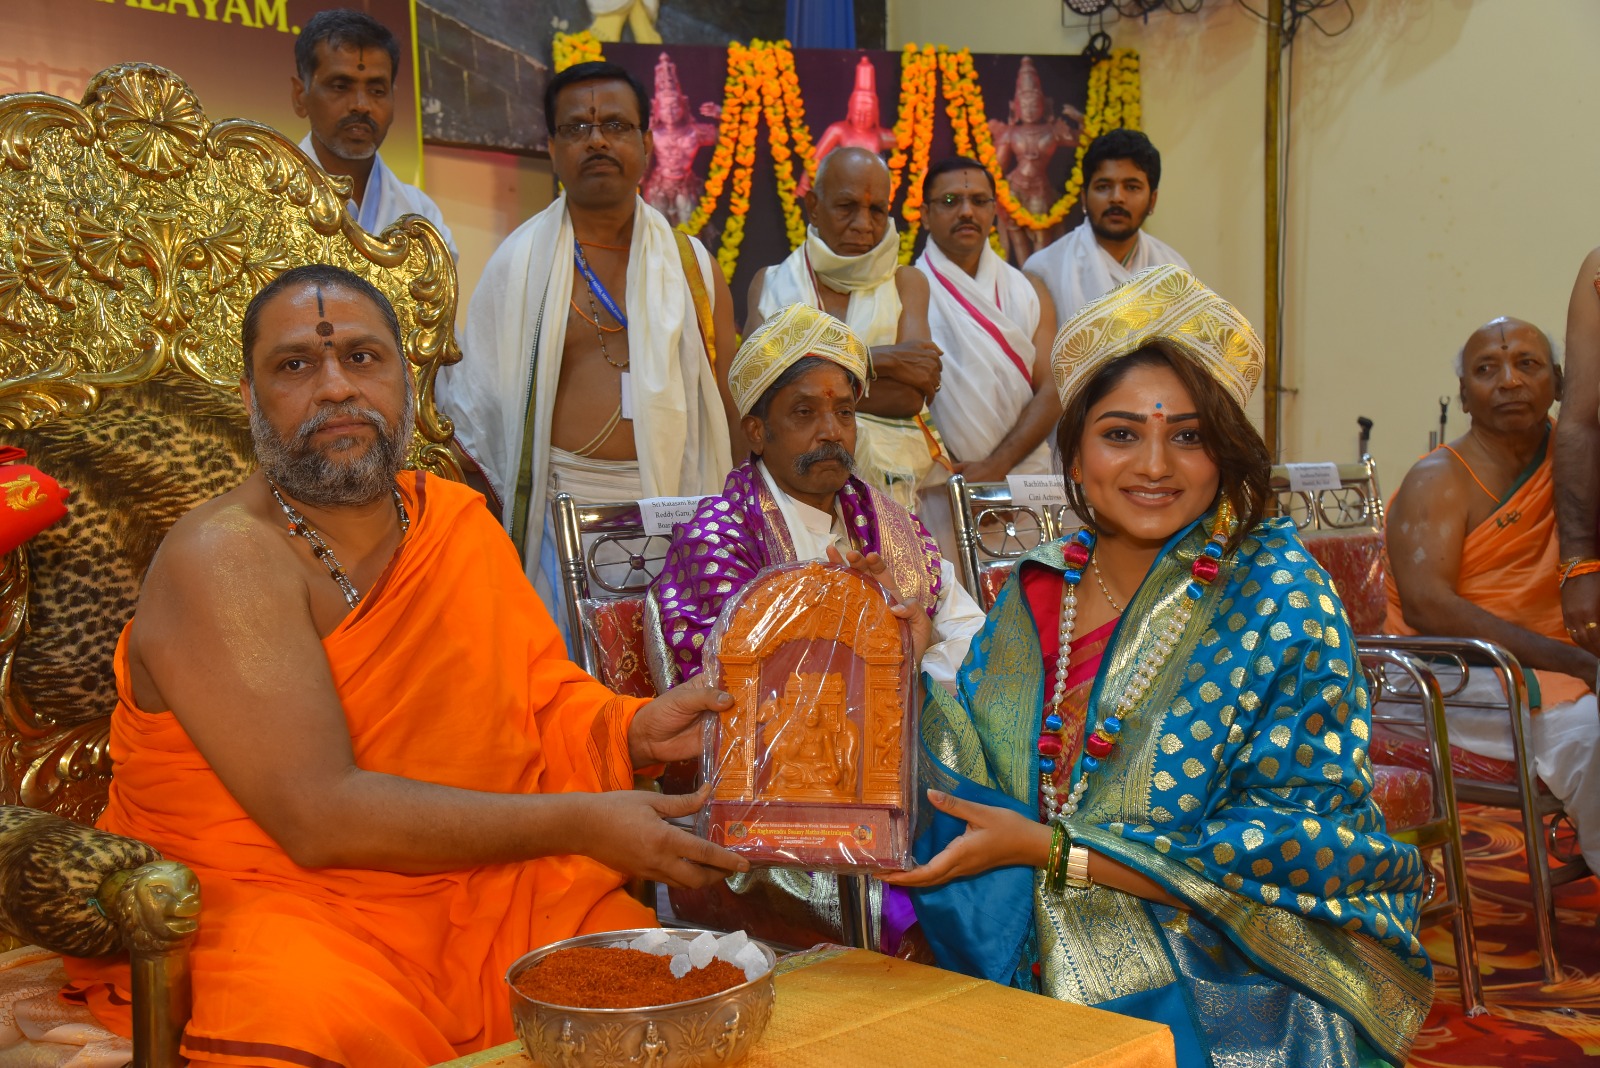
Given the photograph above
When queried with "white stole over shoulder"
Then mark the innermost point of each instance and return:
(873, 314)
(985, 326)
(387, 198)
(1077, 270)
(516, 330)
(892, 455)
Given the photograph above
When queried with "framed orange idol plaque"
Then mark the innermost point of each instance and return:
(813, 765)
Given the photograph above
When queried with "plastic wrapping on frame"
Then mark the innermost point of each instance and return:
(813, 766)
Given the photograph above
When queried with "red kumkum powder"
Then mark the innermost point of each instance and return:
(599, 977)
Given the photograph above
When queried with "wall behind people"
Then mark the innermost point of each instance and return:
(483, 196)
(1441, 173)
(1441, 166)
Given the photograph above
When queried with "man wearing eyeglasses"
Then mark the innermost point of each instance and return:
(1121, 174)
(591, 337)
(994, 325)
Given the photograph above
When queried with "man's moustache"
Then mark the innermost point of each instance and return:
(831, 450)
(343, 411)
(358, 120)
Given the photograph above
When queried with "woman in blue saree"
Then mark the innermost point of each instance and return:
(1150, 789)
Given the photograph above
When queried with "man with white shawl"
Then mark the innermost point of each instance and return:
(995, 326)
(590, 338)
(848, 266)
(1121, 173)
(346, 63)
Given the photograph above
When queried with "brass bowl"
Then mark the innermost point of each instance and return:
(714, 1030)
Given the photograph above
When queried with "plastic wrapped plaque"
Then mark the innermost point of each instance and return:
(812, 766)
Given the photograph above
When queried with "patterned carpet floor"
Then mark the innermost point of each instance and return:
(1528, 1022)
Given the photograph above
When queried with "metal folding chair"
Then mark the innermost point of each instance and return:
(607, 565)
(1441, 827)
(993, 533)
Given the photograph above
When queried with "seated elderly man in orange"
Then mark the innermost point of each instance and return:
(1472, 553)
(342, 704)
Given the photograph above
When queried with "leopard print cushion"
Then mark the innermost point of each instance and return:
(50, 871)
(148, 455)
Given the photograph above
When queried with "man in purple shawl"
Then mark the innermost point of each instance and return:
(796, 381)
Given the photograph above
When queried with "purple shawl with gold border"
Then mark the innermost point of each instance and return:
(732, 537)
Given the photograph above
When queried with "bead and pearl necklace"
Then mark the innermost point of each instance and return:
(1077, 554)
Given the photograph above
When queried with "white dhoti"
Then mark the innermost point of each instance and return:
(1566, 747)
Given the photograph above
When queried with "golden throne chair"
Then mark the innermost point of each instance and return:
(133, 233)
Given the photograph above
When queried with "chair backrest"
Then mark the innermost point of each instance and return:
(1343, 529)
(607, 565)
(993, 532)
(133, 233)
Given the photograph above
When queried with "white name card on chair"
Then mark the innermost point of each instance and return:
(1037, 489)
(1311, 478)
(658, 514)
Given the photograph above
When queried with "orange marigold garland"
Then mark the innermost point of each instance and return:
(1114, 100)
(735, 114)
(744, 161)
(769, 70)
(919, 83)
(570, 49)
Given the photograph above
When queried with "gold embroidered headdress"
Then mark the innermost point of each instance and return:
(1164, 305)
(785, 339)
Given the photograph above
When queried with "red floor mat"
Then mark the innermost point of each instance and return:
(1528, 1023)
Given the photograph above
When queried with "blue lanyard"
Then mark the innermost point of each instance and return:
(596, 286)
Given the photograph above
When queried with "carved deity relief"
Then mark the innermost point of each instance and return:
(809, 763)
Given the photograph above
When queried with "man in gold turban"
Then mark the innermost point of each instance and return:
(796, 382)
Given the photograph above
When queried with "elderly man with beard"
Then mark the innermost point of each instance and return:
(342, 705)
(796, 381)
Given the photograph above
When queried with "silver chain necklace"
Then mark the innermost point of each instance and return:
(299, 528)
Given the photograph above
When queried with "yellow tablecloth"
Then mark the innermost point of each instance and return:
(853, 1008)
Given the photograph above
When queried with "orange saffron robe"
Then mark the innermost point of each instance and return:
(1510, 567)
(451, 672)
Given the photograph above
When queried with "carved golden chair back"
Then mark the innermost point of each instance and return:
(133, 233)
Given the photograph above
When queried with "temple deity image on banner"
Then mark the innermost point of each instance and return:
(1024, 146)
(861, 127)
(673, 185)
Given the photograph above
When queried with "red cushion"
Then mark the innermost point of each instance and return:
(990, 579)
(617, 627)
(1403, 795)
(1354, 559)
(1413, 753)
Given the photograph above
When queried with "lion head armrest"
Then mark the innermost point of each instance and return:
(84, 892)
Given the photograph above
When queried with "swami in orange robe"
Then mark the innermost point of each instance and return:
(1509, 568)
(450, 672)
(1510, 564)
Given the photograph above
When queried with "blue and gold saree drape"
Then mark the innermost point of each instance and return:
(1240, 784)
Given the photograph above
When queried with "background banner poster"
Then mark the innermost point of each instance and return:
(1034, 105)
(237, 55)
(485, 62)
